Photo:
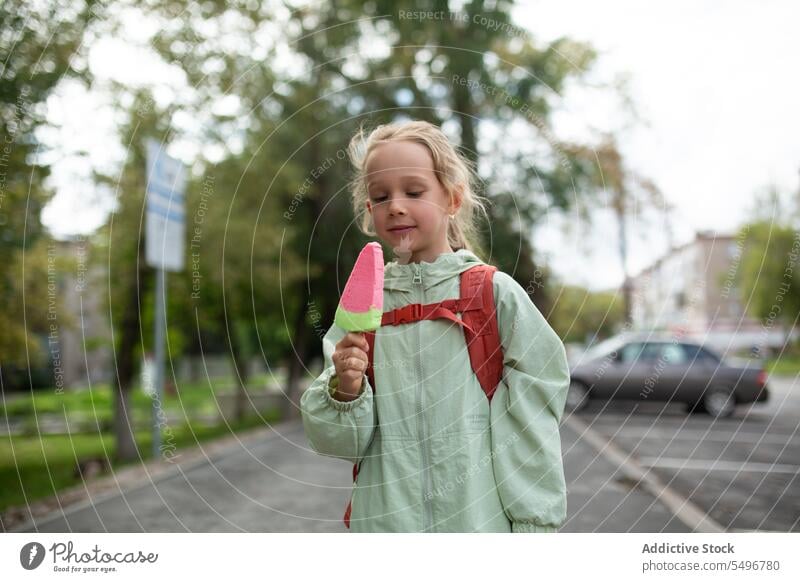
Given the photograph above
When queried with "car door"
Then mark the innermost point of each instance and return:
(622, 375)
(672, 380)
(608, 372)
(702, 367)
(641, 371)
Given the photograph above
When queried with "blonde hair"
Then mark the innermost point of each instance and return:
(451, 168)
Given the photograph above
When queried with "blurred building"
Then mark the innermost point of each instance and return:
(692, 290)
(80, 338)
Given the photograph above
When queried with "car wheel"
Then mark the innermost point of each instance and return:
(719, 402)
(577, 397)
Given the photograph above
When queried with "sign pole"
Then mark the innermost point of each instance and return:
(164, 250)
(158, 368)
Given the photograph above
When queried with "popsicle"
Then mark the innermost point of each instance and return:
(361, 305)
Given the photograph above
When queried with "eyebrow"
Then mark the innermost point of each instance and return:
(406, 179)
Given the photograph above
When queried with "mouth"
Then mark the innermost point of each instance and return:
(402, 229)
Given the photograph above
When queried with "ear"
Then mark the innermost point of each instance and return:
(455, 199)
(369, 207)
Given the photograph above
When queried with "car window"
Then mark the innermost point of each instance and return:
(673, 354)
(640, 352)
(650, 353)
(695, 353)
(709, 356)
(630, 352)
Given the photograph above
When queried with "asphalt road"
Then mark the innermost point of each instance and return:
(741, 474)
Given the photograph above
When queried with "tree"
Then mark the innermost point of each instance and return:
(130, 280)
(624, 192)
(580, 315)
(352, 62)
(41, 45)
(768, 277)
(492, 78)
(280, 203)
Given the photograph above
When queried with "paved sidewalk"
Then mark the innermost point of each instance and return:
(272, 482)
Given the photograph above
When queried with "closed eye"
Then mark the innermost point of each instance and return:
(382, 198)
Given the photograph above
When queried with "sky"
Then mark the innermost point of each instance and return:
(715, 86)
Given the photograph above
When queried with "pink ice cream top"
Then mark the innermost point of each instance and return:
(364, 288)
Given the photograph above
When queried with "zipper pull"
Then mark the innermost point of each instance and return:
(417, 274)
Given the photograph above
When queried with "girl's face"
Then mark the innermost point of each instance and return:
(403, 191)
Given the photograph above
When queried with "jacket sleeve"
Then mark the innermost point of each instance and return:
(526, 410)
(335, 428)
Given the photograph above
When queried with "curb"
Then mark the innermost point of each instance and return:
(686, 511)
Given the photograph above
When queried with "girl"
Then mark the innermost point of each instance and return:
(435, 454)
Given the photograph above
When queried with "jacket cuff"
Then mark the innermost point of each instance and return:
(527, 527)
(345, 405)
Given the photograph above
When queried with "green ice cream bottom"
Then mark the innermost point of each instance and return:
(366, 321)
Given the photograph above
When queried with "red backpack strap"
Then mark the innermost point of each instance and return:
(370, 336)
(478, 319)
(482, 334)
(416, 312)
(348, 509)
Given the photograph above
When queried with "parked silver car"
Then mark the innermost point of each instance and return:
(657, 367)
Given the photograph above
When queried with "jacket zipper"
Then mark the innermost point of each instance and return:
(426, 486)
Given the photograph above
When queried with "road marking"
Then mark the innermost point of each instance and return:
(612, 418)
(754, 438)
(711, 465)
(686, 511)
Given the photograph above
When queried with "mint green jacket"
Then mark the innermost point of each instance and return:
(437, 455)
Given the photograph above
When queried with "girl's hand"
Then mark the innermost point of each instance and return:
(350, 360)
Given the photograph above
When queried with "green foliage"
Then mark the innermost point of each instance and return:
(190, 399)
(768, 275)
(580, 314)
(784, 365)
(40, 45)
(342, 79)
(275, 236)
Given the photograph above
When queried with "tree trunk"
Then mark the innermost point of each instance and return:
(290, 406)
(239, 361)
(465, 110)
(123, 424)
(296, 368)
(126, 366)
(623, 255)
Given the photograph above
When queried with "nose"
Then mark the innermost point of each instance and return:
(396, 206)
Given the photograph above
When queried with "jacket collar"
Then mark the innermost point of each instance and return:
(399, 277)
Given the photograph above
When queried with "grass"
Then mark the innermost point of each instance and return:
(191, 399)
(786, 365)
(32, 467)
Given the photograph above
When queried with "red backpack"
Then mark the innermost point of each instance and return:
(479, 321)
